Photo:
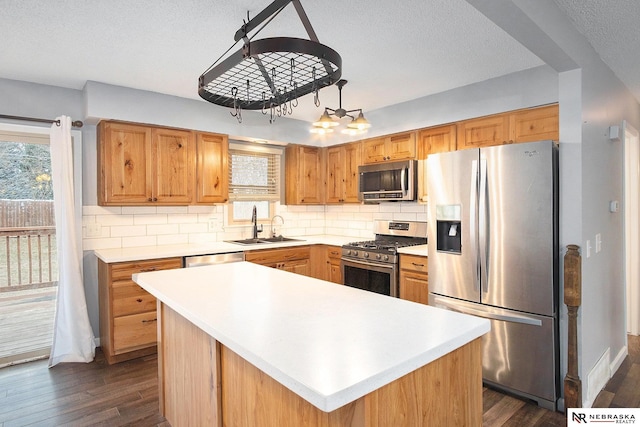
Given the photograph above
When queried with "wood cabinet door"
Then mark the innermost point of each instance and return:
(438, 139)
(335, 175)
(352, 159)
(535, 124)
(124, 160)
(483, 132)
(374, 151)
(311, 184)
(212, 170)
(414, 278)
(414, 287)
(401, 146)
(300, 266)
(334, 254)
(173, 157)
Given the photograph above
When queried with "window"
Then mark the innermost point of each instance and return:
(254, 179)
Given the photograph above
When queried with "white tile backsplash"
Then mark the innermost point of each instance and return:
(131, 226)
(128, 230)
(150, 219)
(139, 210)
(163, 229)
(132, 242)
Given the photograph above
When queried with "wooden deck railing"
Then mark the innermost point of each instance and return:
(28, 257)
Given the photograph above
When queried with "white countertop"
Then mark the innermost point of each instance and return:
(420, 250)
(328, 343)
(189, 249)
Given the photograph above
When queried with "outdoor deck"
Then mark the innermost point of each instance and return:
(26, 324)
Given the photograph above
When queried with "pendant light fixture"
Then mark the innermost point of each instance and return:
(326, 123)
(270, 74)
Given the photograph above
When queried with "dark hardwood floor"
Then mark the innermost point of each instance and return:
(126, 394)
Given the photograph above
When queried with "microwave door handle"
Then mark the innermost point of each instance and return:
(403, 177)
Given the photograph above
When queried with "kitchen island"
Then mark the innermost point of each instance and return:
(243, 344)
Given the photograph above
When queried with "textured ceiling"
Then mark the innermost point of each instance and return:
(391, 52)
(611, 27)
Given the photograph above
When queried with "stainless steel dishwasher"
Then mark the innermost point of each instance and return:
(201, 260)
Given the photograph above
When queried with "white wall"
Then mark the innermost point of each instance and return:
(592, 98)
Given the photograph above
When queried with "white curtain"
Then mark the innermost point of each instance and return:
(73, 339)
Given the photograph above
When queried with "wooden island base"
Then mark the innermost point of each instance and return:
(204, 383)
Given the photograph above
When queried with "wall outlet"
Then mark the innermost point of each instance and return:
(598, 242)
(588, 247)
(94, 229)
(212, 224)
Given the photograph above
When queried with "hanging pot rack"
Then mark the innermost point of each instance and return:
(270, 74)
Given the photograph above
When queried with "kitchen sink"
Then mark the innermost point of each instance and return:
(246, 241)
(280, 239)
(263, 240)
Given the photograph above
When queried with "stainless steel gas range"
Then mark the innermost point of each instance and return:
(372, 265)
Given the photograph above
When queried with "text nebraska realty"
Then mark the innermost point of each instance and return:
(610, 418)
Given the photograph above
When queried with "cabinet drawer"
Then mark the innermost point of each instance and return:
(414, 263)
(134, 331)
(124, 270)
(334, 252)
(273, 256)
(129, 298)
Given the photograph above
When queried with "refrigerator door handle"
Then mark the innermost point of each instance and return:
(473, 206)
(463, 308)
(483, 226)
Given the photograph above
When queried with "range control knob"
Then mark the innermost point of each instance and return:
(348, 251)
(366, 254)
(355, 253)
(378, 256)
(386, 257)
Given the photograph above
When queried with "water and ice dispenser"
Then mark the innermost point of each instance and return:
(448, 225)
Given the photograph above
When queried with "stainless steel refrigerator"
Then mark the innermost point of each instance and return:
(493, 252)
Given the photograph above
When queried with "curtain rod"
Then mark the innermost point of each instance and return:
(75, 124)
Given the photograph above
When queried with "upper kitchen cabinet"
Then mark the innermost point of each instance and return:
(531, 124)
(399, 146)
(304, 174)
(437, 139)
(342, 173)
(535, 124)
(483, 132)
(141, 165)
(212, 170)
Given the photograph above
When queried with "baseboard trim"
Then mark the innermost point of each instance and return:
(617, 361)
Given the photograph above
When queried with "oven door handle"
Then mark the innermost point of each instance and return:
(368, 264)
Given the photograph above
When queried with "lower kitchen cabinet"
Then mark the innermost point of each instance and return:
(333, 261)
(128, 319)
(295, 259)
(414, 278)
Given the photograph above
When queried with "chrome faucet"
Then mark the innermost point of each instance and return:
(273, 230)
(254, 221)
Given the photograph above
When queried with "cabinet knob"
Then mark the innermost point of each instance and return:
(139, 300)
(150, 321)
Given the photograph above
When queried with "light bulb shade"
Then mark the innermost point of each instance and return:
(325, 121)
(359, 122)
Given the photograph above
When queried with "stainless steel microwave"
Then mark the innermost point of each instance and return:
(386, 182)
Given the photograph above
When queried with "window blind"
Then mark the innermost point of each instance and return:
(254, 175)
